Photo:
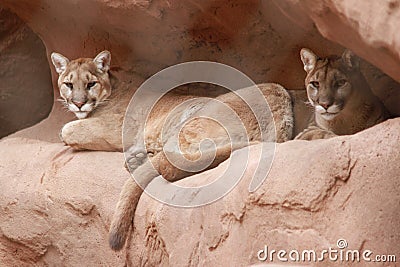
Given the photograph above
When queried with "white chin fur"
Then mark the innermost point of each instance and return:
(81, 115)
(87, 108)
(328, 116)
(73, 108)
(334, 109)
(331, 111)
(319, 109)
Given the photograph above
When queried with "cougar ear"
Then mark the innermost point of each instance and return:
(60, 62)
(103, 60)
(350, 59)
(309, 59)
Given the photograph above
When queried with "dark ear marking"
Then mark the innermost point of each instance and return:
(350, 59)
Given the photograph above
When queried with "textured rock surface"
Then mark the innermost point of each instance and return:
(56, 205)
(145, 36)
(250, 35)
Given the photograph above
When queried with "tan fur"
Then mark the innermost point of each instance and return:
(99, 128)
(102, 131)
(84, 82)
(342, 99)
(193, 132)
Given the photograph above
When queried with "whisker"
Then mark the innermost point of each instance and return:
(103, 102)
(308, 104)
(63, 102)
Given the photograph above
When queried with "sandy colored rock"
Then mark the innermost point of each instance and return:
(56, 204)
(146, 36)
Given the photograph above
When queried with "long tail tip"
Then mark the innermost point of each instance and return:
(116, 241)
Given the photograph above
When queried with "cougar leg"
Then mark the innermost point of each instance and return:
(128, 199)
(313, 133)
(149, 170)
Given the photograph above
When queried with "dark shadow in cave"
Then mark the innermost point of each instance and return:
(26, 92)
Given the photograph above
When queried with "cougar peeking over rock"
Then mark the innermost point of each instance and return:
(342, 100)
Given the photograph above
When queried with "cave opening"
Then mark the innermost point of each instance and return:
(26, 91)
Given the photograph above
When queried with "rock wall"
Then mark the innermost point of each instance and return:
(253, 36)
(53, 210)
(145, 36)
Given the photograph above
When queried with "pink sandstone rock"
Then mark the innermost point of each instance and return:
(56, 204)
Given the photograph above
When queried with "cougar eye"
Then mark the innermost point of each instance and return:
(340, 83)
(69, 85)
(90, 85)
(315, 84)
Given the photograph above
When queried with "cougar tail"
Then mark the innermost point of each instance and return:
(128, 200)
(131, 191)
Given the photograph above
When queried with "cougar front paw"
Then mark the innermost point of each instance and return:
(69, 133)
(314, 133)
(135, 158)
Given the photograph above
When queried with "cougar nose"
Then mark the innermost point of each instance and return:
(325, 104)
(79, 104)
